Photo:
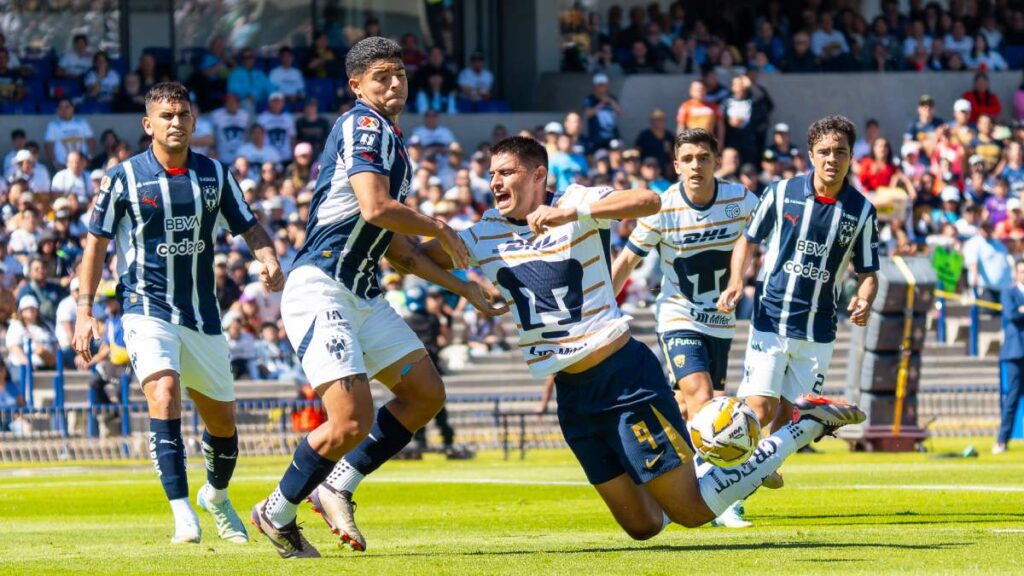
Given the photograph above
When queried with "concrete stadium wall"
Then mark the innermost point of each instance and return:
(799, 98)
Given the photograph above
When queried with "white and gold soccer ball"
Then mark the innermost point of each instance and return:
(725, 432)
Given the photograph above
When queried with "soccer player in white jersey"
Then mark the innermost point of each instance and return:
(615, 408)
(335, 315)
(816, 225)
(162, 208)
(694, 232)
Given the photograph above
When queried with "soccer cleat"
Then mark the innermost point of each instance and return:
(774, 481)
(187, 533)
(287, 540)
(999, 448)
(229, 526)
(832, 414)
(732, 517)
(338, 511)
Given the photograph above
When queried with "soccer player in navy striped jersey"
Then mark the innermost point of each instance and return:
(162, 208)
(343, 330)
(816, 225)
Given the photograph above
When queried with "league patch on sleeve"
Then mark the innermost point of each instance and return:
(368, 123)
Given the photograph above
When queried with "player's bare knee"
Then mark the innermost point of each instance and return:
(347, 432)
(645, 531)
(162, 394)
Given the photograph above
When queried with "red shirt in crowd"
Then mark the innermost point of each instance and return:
(983, 103)
(874, 175)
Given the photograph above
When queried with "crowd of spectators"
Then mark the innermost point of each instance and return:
(793, 37)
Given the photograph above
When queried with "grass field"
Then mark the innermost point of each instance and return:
(839, 513)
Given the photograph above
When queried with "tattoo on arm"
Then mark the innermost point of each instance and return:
(85, 299)
(405, 263)
(256, 238)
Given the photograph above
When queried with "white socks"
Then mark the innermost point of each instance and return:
(720, 487)
(344, 477)
(184, 515)
(279, 510)
(214, 495)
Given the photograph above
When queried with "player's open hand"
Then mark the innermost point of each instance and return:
(729, 298)
(860, 311)
(272, 276)
(454, 247)
(86, 330)
(484, 301)
(545, 217)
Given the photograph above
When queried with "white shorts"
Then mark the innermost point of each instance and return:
(202, 361)
(777, 366)
(337, 334)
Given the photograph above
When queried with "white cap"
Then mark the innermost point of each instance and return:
(28, 301)
(96, 174)
(247, 184)
(276, 96)
(950, 194)
(600, 79)
(962, 105)
(433, 181)
(553, 128)
(975, 159)
(22, 155)
(782, 127)
(910, 147)
(74, 284)
(1013, 204)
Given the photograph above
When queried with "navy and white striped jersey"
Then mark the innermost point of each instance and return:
(811, 241)
(338, 240)
(163, 224)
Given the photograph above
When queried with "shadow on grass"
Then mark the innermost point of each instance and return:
(898, 518)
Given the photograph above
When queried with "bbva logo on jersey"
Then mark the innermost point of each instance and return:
(210, 198)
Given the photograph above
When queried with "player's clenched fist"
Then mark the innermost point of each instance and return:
(729, 298)
(272, 276)
(86, 330)
(544, 217)
(483, 301)
(454, 246)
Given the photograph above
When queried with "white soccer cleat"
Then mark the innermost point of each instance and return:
(229, 525)
(732, 517)
(187, 533)
(338, 511)
(287, 540)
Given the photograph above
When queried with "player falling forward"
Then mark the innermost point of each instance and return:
(816, 225)
(343, 330)
(694, 232)
(161, 207)
(615, 408)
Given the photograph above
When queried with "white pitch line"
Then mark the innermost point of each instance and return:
(1008, 531)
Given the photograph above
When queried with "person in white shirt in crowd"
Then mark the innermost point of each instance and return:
(827, 42)
(983, 57)
(72, 180)
(67, 313)
(77, 61)
(66, 133)
(231, 124)
(958, 41)
(447, 170)
(269, 302)
(432, 133)
(203, 136)
(279, 125)
(917, 38)
(274, 355)
(26, 168)
(102, 83)
(286, 78)
(24, 240)
(989, 28)
(257, 149)
(18, 140)
(242, 346)
(29, 326)
(476, 82)
(95, 181)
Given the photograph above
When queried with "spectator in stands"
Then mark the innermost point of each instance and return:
(248, 82)
(483, 335)
(412, 56)
(274, 355)
(926, 123)
(985, 144)
(738, 111)
(28, 326)
(107, 150)
(782, 148)
(982, 100)
(73, 179)
(641, 61)
(1012, 228)
(801, 59)
(961, 127)
(311, 127)
(12, 55)
(878, 169)
(917, 38)
(47, 292)
(433, 97)
(990, 30)
(203, 136)
(231, 124)
(242, 346)
(982, 57)
(300, 171)
(432, 133)
(131, 98)
(881, 60)
(650, 174)
(996, 205)
(66, 133)
(988, 263)
(957, 41)
(26, 169)
(18, 140)
(149, 73)
(435, 65)
(656, 141)
(323, 62)
(216, 63)
(475, 81)
(602, 111)
(228, 291)
(67, 312)
(863, 147)
(286, 78)
(771, 45)
(829, 44)
(102, 83)
(1011, 358)
(565, 166)
(77, 61)
(603, 61)
(12, 88)
(279, 125)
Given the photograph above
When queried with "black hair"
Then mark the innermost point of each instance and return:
(525, 149)
(368, 51)
(17, 133)
(166, 91)
(831, 124)
(696, 136)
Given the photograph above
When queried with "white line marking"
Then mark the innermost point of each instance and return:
(1008, 531)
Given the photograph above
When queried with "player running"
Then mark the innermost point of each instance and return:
(694, 232)
(343, 330)
(162, 208)
(615, 408)
(816, 224)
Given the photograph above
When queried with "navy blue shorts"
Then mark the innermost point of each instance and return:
(620, 416)
(688, 351)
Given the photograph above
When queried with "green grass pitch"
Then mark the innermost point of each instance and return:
(839, 513)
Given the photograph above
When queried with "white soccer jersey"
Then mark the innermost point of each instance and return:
(559, 283)
(232, 131)
(280, 132)
(695, 245)
(68, 136)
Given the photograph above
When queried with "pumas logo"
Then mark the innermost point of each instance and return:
(846, 232)
(210, 198)
(732, 210)
(679, 360)
(368, 123)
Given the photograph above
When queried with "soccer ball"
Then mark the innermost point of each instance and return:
(725, 432)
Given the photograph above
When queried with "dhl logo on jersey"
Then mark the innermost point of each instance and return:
(709, 235)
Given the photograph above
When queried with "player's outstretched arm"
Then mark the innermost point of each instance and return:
(404, 256)
(625, 263)
(742, 254)
(259, 243)
(86, 327)
(860, 305)
(378, 208)
(618, 205)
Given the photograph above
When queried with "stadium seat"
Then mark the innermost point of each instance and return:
(26, 107)
(120, 65)
(92, 107)
(164, 56)
(42, 67)
(35, 90)
(1014, 56)
(48, 107)
(323, 90)
(65, 88)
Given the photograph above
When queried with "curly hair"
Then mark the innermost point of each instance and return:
(831, 124)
